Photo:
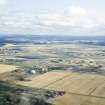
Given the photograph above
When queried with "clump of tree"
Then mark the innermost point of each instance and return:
(14, 99)
(9, 99)
(11, 94)
(36, 101)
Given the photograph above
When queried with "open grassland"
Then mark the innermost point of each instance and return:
(7, 68)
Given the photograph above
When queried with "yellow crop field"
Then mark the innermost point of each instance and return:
(84, 84)
(45, 79)
(70, 82)
(7, 68)
(73, 99)
(100, 91)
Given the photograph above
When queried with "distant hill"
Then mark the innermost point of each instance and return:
(44, 39)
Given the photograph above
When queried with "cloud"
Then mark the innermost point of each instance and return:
(2, 2)
(75, 11)
(73, 20)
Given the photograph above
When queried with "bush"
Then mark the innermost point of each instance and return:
(9, 99)
(37, 101)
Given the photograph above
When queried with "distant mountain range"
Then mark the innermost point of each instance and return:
(39, 39)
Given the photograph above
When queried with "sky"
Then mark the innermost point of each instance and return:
(52, 17)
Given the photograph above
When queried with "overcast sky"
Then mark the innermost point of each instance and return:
(52, 17)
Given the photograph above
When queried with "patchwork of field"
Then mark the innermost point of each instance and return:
(76, 57)
(7, 68)
(80, 88)
(80, 70)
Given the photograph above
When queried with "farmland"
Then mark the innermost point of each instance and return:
(48, 57)
(80, 88)
(78, 70)
(75, 99)
(7, 68)
(70, 82)
(45, 79)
